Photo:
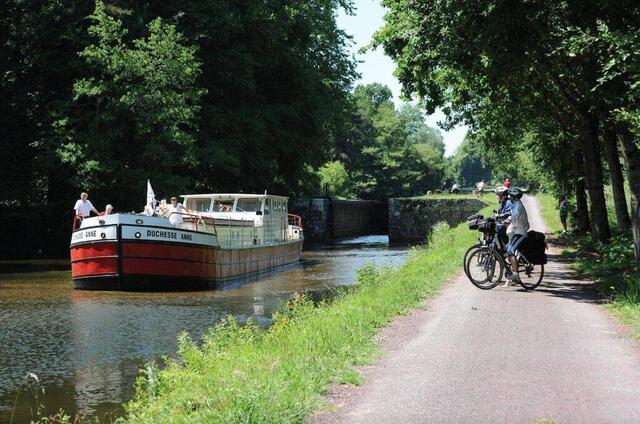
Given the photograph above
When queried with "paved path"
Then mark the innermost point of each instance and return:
(501, 356)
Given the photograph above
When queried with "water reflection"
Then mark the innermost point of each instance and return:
(87, 347)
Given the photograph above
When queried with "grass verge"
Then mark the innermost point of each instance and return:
(611, 266)
(549, 210)
(245, 374)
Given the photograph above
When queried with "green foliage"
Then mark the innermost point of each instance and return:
(333, 175)
(145, 99)
(468, 165)
(197, 96)
(244, 374)
(535, 79)
(388, 152)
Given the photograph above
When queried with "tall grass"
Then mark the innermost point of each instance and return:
(612, 265)
(246, 374)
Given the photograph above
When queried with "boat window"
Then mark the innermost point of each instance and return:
(267, 206)
(199, 205)
(222, 205)
(248, 205)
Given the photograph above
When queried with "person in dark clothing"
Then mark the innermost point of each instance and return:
(564, 212)
(503, 212)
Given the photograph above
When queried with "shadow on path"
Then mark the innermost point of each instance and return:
(561, 281)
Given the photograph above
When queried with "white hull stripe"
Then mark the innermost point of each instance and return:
(94, 234)
(167, 235)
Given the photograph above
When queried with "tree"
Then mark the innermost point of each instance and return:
(489, 59)
(469, 164)
(389, 152)
(145, 102)
(334, 177)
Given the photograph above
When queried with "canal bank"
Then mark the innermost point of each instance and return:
(245, 374)
(87, 347)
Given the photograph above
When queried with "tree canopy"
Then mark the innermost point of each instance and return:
(548, 79)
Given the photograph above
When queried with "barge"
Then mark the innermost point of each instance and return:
(221, 237)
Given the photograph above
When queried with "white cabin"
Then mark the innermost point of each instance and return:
(243, 220)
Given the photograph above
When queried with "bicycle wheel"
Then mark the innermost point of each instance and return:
(530, 275)
(465, 261)
(485, 268)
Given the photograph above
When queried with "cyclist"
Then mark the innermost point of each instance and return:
(503, 212)
(517, 230)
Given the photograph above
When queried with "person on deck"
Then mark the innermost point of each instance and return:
(517, 231)
(83, 206)
(175, 212)
(108, 210)
(503, 212)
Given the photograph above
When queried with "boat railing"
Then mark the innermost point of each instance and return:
(77, 219)
(197, 219)
(231, 224)
(295, 220)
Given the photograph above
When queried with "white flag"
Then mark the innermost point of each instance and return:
(151, 197)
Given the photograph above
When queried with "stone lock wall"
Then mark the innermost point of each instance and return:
(351, 218)
(326, 218)
(411, 219)
(315, 216)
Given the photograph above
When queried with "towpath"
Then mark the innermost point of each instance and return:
(501, 356)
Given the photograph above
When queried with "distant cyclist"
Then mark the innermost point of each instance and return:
(503, 212)
(517, 230)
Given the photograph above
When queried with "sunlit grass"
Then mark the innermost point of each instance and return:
(246, 374)
(549, 210)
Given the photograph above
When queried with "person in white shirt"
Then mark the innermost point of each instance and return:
(480, 187)
(84, 207)
(175, 212)
(517, 230)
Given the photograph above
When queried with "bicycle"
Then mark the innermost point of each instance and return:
(486, 264)
(488, 229)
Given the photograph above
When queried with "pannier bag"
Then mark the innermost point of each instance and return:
(533, 248)
(487, 225)
(474, 221)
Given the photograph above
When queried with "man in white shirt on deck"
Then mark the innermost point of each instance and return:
(517, 230)
(175, 212)
(84, 207)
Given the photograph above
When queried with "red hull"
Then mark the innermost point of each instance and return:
(144, 265)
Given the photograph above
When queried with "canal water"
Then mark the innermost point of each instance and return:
(86, 347)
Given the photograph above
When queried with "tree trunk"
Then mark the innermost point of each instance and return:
(581, 214)
(631, 154)
(600, 230)
(617, 180)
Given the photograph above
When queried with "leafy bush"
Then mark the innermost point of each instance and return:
(333, 175)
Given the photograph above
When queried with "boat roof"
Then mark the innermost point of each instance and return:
(231, 195)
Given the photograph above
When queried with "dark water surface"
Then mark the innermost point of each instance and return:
(86, 347)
